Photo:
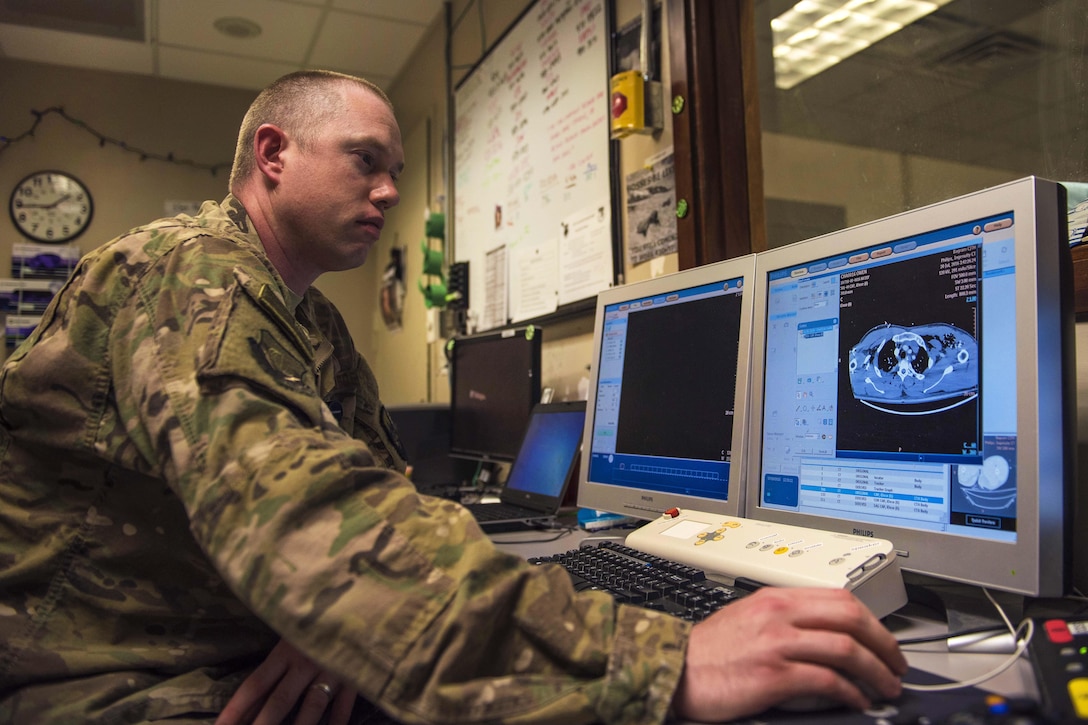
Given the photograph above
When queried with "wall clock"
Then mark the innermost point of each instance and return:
(51, 206)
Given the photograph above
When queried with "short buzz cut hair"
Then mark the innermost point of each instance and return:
(299, 103)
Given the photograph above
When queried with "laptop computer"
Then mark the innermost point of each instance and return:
(541, 472)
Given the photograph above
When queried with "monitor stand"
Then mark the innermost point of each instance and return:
(966, 609)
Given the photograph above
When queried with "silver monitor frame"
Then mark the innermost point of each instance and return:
(1036, 564)
(647, 504)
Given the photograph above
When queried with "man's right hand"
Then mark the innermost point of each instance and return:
(289, 682)
(779, 644)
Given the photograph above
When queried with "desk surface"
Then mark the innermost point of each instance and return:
(911, 622)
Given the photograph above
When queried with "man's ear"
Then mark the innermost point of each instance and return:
(269, 143)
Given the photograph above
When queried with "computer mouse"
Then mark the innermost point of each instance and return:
(817, 703)
(809, 703)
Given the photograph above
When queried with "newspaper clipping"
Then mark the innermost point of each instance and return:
(651, 204)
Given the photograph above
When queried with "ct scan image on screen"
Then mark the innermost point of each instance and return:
(909, 367)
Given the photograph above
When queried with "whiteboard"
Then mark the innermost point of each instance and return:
(532, 201)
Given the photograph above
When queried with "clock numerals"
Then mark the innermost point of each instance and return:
(51, 206)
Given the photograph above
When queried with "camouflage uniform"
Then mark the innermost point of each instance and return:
(194, 462)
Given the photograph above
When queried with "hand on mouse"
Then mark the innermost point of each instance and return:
(781, 644)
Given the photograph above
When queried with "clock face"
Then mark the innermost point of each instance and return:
(51, 206)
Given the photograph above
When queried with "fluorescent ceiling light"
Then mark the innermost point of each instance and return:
(814, 35)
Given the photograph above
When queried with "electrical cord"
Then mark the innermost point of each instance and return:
(1022, 634)
(948, 635)
(560, 532)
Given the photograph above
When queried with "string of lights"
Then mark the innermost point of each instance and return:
(6, 142)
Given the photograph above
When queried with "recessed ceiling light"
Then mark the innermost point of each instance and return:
(814, 35)
(237, 28)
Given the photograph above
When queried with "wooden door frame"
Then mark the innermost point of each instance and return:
(714, 94)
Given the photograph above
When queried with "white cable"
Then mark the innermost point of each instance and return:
(1027, 626)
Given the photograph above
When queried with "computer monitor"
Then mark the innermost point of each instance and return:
(914, 380)
(668, 394)
(424, 431)
(495, 379)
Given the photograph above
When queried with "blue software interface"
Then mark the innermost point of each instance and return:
(665, 387)
(891, 383)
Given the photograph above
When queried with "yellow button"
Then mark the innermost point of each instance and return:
(781, 550)
(700, 542)
(1078, 693)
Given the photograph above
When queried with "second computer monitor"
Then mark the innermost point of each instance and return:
(668, 394)
(495, 382)
(913, 377)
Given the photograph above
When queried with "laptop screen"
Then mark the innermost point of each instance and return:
(548, 450)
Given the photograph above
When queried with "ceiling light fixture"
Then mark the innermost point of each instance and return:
(814, 35)
(237, 28)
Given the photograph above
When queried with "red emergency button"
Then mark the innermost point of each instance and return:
(619, 104)
(672, 513)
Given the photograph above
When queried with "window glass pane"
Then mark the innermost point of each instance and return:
(912, 102)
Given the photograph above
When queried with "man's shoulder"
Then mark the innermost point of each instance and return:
(215, 227)
(209, 241)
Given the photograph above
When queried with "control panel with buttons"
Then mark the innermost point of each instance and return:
(1059, 656)
(774, 554)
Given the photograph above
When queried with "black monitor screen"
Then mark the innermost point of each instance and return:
(668, 394)
(496, 383)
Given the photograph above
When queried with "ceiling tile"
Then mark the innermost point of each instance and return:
(423, 12)
(996, 13)
(1055, 34)
(1058, 79)
(120, 19)
(74, 49)
(926, 37)
(365, 45)
(188, 65)
(905, 97)
(844, 79)
(287, 29)
(981, 112)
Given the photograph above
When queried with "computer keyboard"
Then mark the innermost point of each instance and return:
(634, 577)
(500, 512)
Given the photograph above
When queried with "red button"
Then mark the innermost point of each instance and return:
(672, 513)
(619, 104)
(1058, 631)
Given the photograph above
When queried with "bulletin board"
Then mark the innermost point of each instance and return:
(532, 188)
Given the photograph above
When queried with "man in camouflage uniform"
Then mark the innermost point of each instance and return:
(194, 462)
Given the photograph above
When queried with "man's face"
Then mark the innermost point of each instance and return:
(334, 191)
